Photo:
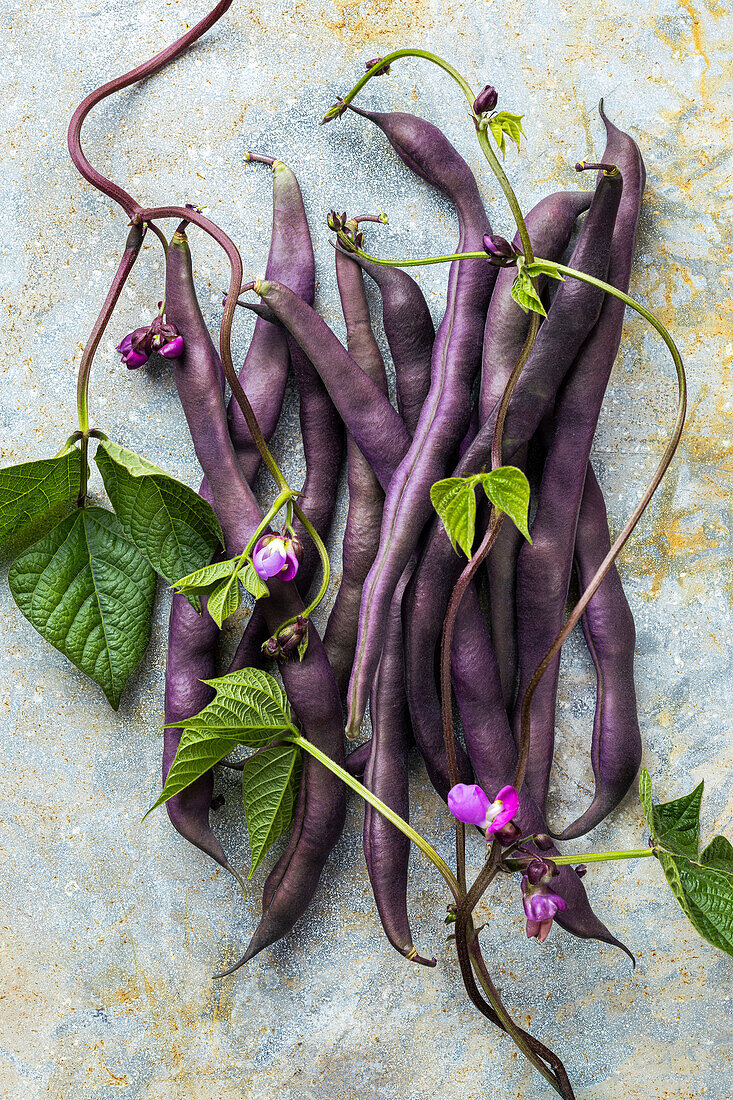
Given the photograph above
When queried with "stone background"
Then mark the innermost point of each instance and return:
(109, 929)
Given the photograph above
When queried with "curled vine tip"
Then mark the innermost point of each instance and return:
(333, 112)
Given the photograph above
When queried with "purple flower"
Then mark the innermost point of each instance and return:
(469, 803)
(486, 100)
(501, 253)
(540, 904)
(274, 556)
(173, 349)
(135, 348)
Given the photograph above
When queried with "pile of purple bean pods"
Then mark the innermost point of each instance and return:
(410, 626)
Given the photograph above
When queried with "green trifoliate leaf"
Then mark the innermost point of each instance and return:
(224, 600)
(525, 295)
(508, 490)
(506, 123)
(88, 590)
(270, 782)
(702, 886)
(454, 499)
(172, 525)
(250, 708)
(212, 581)
(34, 491)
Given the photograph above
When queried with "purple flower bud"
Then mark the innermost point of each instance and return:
(540, 904)
(543, 842)
(134, 359)
(581, 870)
(173, 349)
(468, 803)
(274, 556)
(486, 100)
(270, 648)
(335, 221)
(375, 61)
(501, 253)
(508, 833)
(291, 636)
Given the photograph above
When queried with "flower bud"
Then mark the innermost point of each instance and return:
(485, 101)
(291, 636)
(581, 870)
(508, 833)
(336, 221)
(543, 842)
(173, 349)
(501, 253)
(375, 61)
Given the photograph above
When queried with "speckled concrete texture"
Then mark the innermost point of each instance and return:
(110, 929)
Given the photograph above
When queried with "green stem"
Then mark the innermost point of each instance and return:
(511, 198)
(326, 566)
(335, 111)
(399, 823)
(602, 857)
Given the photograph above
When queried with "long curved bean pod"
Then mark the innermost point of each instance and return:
(445, 414)
(265, 369)
(375, 425)
(609, 630)
(192, 638)
(544, 568)
(494, 754)
(366, 496)
(569, 320)
(410, 334)
(309, 684)
(386, 849)
(358, 758)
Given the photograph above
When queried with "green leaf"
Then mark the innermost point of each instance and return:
(224, 600)
(454, 499)
(719, 855)
(87, 589)
(34, 490)
(250, 708)
(172, 525)
(249, 705)
(677, 824)
(202, 580)
(525, 295)
(506, 123)
(253, 582)
(705, 895)
(543, 267)
(702, 887)
(270, 782)
(508, 490)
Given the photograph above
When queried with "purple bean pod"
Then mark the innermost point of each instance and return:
(410, 334)
(572, 314)
(366, 496)
(309, 684)
(494, 755)
(386, 849)
(544, 568)
(375, 425)
(445, 414)
(608, 626)
(358, 758)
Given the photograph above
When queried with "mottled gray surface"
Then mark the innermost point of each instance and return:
(110, 928)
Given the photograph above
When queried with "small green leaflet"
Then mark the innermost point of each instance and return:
(270, 783)
(543, 267)
(454, 499)
(203, 580)
(224, 600)
(34, 490)
(85, 587)
(525, 295)
(250, 708)
(505, 123)
(172, 525)
(702, 884)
